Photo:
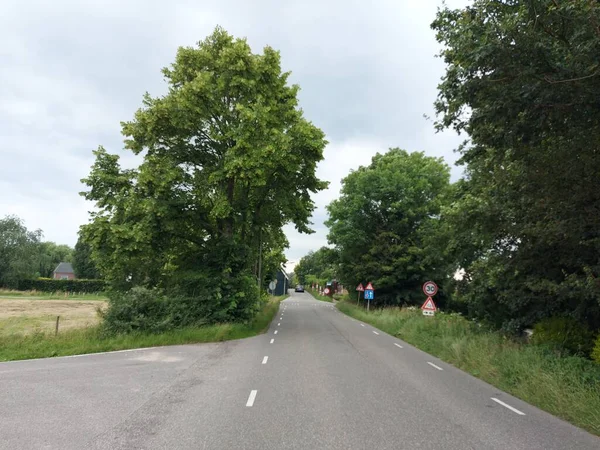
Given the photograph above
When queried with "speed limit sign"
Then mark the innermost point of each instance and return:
(430, 288)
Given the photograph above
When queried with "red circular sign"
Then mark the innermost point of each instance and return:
(326, 291)
(430, 288)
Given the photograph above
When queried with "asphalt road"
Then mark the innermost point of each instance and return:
(317, 380)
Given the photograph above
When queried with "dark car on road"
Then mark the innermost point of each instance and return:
(299, 288)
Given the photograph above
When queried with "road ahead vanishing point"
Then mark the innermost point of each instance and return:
(317, 380)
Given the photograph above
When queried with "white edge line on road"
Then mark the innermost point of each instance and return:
(275, 332)
(433, 365)
(398, 345)
(54, 358)
(250, 401)
(265, 359)
(272, 340)
(375, 332)
(508, 406)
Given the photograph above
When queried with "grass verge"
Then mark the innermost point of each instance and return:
(567, 387)
(90, 340)
(318, 296)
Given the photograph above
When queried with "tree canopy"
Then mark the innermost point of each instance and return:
(384, 221)
(228, 159)
(522, 79)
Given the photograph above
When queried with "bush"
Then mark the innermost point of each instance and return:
(596, 351)
(51, 285)
(563, 335)
(153, 311)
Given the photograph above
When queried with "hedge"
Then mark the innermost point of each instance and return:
(51, 285)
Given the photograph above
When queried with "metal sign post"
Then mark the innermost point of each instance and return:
(360, 289)
(369, 295)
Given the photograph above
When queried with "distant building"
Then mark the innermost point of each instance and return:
(64, 271)
(283, 282)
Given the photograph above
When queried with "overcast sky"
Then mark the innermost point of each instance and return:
(71, 70)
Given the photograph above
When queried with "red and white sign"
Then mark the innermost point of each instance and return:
(360, 288)
(369, 287)
(430, 288)
(429, 305)
(326, 291)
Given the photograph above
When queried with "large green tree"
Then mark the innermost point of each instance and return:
(49, 255)
(18, 251)
(228, 159)
(385, 224)
(318, 267)
(522, 80)
(83, 264)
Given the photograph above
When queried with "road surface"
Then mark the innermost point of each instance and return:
(317, 380)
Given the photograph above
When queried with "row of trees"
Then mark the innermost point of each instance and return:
(227, 160)
(24, 255)
(523, 226)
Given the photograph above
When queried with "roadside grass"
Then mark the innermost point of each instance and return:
(91, 339)
(567, 387)
(59, 295)
(317, 296)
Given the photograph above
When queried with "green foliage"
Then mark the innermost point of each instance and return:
(83, 265)
(228, 160)
(568, 387)
(385, 224)
(522, 82)
(18, 251)
(563, 335)
(318, 267)
(51, 285)
(596, 350)
(49, 255)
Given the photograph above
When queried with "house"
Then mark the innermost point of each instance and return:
(282, 282)
(64, 271)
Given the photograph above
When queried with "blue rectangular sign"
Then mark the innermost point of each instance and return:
(369, 295)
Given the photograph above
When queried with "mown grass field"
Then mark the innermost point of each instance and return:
(567, 387)
(41, 344)
(37, 295)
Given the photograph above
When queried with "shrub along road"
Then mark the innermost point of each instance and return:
(317, 379)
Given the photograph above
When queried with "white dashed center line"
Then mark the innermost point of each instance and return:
(362, 324)
(398, 345)
(375, 332)
(433, 365)
(279, 324)
(275, 332)
(265, 359)
(272, 340)
(250, 401)
(515, 410)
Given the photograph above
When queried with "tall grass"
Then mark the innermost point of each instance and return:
(567, 387)
(318, 296)
(59, 295)
(92, 340)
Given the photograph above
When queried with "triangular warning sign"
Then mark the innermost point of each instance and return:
(360, 288)
(429, 305)
(369, 287)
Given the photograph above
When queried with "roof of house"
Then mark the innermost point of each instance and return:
(64, 267)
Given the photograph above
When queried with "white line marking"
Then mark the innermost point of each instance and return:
(265, 359)
(362, 324)
(272, 340)
(398, 345)
(279, 324)
(275, 332)
(508, 406)
(376, 333)
(250, 401)
(433, 365)
(281, 318)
